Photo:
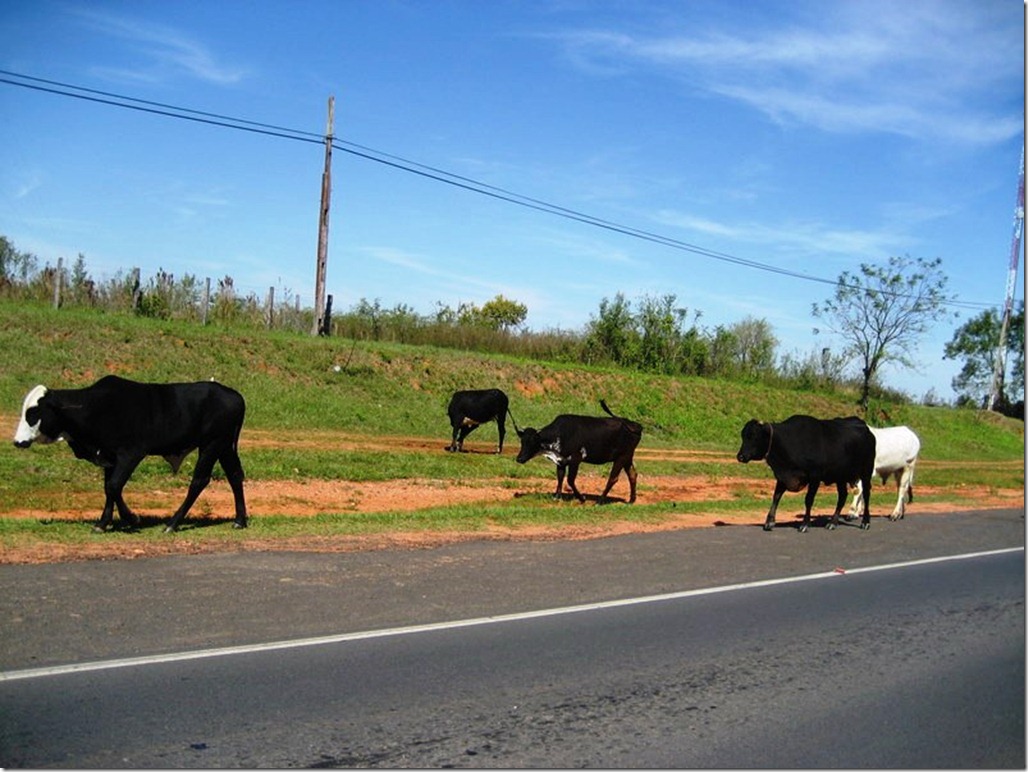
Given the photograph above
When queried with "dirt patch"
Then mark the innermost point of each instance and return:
(311, 497)
(306, 498)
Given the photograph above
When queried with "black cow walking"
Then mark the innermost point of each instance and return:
(470, 409)
(569, 440)
(116, 423)
(806, 451)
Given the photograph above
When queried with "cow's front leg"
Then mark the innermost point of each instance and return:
(560, 481)
(769, 522)
(808, 503)
(128, 517)
(115, 478)
(572, 474)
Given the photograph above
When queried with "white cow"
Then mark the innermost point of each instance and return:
(896, 452)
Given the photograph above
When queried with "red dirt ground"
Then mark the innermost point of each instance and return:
(311, 497)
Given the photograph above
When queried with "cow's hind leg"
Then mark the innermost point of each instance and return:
(904, 492)
(615, 471)
(501, 429)
(865, 524)
(843, 494)
(234, 472)
(201, 477)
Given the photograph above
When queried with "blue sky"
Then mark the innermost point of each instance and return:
(807, 136)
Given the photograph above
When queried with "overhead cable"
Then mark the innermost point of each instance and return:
(413, 167)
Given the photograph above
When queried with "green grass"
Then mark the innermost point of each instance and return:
(292, 389)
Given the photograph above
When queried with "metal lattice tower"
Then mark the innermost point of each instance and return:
(1008, 306)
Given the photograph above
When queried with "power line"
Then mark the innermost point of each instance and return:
(423, 170)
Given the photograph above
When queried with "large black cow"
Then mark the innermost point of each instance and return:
(569, 440)
(469, 409)
(806, 451)
(115, 423)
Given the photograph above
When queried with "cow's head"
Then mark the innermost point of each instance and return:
(756, 440)
(531, 444)
(37, 422)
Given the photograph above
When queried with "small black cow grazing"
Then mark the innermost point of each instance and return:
(569, 440)
(806, 451)
(469, 409)
(115, 423)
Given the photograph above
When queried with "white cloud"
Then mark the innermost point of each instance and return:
(166, 49)
(803, 240)
(899, 68)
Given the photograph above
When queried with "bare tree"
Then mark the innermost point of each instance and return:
(882, 312)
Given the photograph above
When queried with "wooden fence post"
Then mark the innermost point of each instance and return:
(206, 300)
(136, 291)
(269, 315)
(57, 282)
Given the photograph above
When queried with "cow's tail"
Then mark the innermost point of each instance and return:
(630, 425)
(517, 431)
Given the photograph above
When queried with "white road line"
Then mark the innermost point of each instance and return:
(110, 664)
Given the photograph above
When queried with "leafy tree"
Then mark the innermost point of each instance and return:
(882, 312)
(612, 334)
(975, 342)
(503, 314)
(755, 344)
(660, 326)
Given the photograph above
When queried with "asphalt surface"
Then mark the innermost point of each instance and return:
(86, 611)
(919, 665)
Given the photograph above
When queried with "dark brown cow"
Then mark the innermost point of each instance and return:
(570, 440)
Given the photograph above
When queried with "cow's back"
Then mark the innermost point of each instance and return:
(157, 418)
(835, 449)
(602, 438)
(477, 404)
(895, 447)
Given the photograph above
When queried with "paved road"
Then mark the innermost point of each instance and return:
(80, 612)
(913, 666)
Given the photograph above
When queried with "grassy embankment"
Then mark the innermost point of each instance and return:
(293, 391)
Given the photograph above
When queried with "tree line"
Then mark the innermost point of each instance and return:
(879, 313)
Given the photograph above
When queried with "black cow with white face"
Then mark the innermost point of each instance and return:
(116, 423)
(804, 451)
(470, 409)
(570, 440)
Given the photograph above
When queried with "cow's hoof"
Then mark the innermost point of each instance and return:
(769, 526)
(170, 529)
(865, 526)
(895, 517)
(237, 524)
(804, 528)
(831, 526)
(99, 529)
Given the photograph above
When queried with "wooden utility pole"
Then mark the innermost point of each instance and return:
(320, 326)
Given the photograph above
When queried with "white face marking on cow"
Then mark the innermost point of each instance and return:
(26, 434)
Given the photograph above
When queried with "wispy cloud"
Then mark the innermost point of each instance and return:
(804, 240)
(900, 68)
(164, 49)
